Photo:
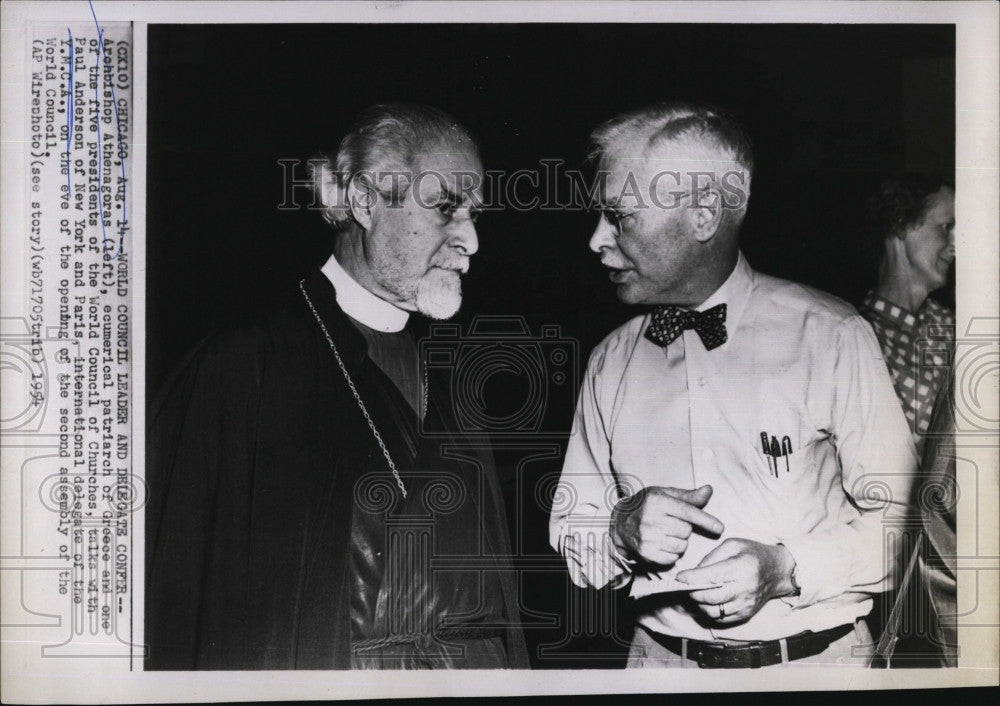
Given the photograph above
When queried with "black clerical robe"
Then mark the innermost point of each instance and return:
(258, 457)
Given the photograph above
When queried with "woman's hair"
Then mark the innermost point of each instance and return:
(901, 202)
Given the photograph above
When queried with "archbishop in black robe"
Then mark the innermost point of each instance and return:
(277, 537)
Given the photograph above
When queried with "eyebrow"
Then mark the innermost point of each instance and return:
(455, 199)
(450, 196)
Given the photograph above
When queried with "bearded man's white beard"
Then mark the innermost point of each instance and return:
(438, 294)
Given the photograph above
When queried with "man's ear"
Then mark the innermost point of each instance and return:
(707, 211)
(330, 191)
(360, 200)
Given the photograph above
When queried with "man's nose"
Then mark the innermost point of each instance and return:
(603, 237)
(465, 239)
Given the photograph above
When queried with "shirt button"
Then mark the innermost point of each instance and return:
(708, 454)
(701, 382)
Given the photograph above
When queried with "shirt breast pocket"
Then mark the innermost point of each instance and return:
(780, 435)
(781, 463)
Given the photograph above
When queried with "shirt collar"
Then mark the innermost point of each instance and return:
(734, 293)
(893, 313)
(360, 304)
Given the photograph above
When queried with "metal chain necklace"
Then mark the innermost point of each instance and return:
(354, 390)
(424, 412)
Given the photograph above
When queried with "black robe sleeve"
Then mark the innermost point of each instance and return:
(249, 460)
(254, 453)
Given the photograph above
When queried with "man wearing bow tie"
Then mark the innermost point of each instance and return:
(754, 554)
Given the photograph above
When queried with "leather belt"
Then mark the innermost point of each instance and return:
(718, 655)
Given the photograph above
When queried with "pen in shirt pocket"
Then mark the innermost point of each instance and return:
(766, 447)
(774, 451)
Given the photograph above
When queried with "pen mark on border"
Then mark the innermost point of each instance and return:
(121, 158)
(70, 118)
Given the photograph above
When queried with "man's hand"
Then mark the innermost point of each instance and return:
(654, 524)
(748, 573)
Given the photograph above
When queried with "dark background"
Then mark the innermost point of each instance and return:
(831, 109)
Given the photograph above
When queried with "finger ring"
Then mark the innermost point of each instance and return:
(722, 610)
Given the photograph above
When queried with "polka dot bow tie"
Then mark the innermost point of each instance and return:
(670, 321)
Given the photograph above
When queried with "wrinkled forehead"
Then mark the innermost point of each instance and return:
(453, 166)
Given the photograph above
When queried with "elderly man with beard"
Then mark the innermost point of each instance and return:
(297, 518)
(736, 449)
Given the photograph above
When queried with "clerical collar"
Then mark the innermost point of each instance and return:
(360, 304)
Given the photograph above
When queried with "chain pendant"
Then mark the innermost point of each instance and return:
(354, 390)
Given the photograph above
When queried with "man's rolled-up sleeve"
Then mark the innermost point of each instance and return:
(585, 496)
(878, 465)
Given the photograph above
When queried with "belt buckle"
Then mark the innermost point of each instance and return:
(707, 660)
(710, 655)
(719, 655)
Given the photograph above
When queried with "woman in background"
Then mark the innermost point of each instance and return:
(915, 217)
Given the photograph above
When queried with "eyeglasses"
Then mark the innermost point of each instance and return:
(614, 217)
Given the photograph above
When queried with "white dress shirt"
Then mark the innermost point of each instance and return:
(798, 363)
(360, 304)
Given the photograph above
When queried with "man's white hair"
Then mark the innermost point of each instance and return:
(380, 149)
(722, 138)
